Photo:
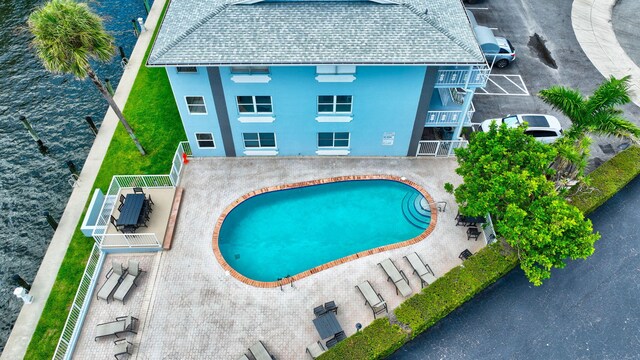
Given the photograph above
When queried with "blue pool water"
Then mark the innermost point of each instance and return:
(286, 232)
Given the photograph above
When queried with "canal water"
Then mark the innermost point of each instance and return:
(56, 106)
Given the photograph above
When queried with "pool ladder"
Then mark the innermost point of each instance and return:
(284, 279)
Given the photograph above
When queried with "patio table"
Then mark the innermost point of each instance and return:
(131, 209)
(327, 325)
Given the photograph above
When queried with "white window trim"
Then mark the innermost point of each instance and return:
(335, 105)
(255, 106)
(274, 147)
(333, 152)
(250, 79)
(256, 119)
(334, 119)
(335, 78)
(261, 152)
(204, 103)
(334, 140)
(212, 139)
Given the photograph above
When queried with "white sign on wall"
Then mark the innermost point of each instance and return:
(388, 138)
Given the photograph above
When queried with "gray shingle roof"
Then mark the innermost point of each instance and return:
(219, 32)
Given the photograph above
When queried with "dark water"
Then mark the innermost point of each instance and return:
(588, 310)
(56, 105)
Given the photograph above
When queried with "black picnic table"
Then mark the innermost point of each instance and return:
(131, 210)
(327, 325)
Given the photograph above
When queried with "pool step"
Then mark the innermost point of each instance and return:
(413, 212)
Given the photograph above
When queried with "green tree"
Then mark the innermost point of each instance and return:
(505, 173)
(67, 35)
(597, 114)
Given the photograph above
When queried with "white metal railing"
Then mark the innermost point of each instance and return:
(178, 161)
(449, 117)
(488, 230)
(465, 78)
(439, 148)
(133, 240)
(80, 305)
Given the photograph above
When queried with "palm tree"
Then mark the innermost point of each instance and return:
(67, 35)
(597, 114)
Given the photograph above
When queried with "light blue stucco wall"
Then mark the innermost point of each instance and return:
(385, 100)
(196, 84)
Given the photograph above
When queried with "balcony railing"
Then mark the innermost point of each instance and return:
(439, 148)
(464, 78)
(449, 117)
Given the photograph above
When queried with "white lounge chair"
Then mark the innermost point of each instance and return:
(133, 272)
(316, 349)
(372, 298)
(260, 352)
(398, 278)
(120, 325)
(421, 269)
(114, 276)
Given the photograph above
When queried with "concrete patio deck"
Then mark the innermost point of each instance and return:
(191, 309)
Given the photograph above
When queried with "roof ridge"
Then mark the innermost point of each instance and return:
(445, 32)
(188, 32)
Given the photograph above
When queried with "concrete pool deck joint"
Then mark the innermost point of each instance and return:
(272, 284)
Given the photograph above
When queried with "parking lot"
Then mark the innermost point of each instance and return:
(562, 63)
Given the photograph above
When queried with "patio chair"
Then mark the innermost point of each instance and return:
(114, 277)
(260, 352)
(120, 206)
(133, 272)
(465, 254)
(129, 229)
(398, 278)
(421, 269)
(372, 298)
(316, 349)
(331, 306)
(473, 233)
(114, 222)
(122, 198)
(149, 199)
(340, 336)
(122, 324)
(122, 347)
(332, 342)
(138, 190)
(319, 310)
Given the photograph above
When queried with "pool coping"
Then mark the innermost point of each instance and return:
(272, 284)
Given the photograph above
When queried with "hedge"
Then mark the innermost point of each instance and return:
(376, 341)
(456, 287)
(607, 180)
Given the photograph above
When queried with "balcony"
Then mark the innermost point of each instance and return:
(449, 118)
(463, 78)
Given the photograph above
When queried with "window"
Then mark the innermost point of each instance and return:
(259, 140)
(249, 70)
(196, 105)
(334, 104)
(205, 140)
(254, 104)
(333, 139)
(186, 69)
(335, 69)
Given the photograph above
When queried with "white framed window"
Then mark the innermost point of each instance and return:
(334, 104)
(254, 104)
(259, 140)
(336, 69)
(205, 141)
(250, 70)
(186, 69)
(333, 139)
(196, 105)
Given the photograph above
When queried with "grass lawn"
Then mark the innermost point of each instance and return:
(153, 115)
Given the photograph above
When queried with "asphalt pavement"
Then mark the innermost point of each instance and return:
(627, 27)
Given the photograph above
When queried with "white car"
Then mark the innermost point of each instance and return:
(544, 128)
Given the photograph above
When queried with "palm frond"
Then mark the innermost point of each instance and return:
(609, 124)
(569, 101)
(612, 92)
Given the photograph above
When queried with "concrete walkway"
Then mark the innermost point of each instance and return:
(591, 20)
(42, 284)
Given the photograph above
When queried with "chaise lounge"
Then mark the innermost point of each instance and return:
(421, 269)
(372, 298)
(260, 352)
(133, 272)
(316, 349)
(114, 277)
(398, 278)
(122, 324)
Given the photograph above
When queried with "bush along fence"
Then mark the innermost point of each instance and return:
(421, 311)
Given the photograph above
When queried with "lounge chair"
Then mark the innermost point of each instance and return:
(421, 269)
(398, 278)
(316, 349)
(243, 357)
(260, 352)
(138, 190)
(133, 272)
(122, 347)
(122, 324)
(372, 298)
(114, 277)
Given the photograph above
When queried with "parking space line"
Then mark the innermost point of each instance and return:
(516, 85)
(504, 85)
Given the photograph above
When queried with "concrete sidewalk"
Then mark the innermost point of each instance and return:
(592, 24)
(42, 284)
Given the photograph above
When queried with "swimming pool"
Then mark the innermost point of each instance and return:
(267, 235)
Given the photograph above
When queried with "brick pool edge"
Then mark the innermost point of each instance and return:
(273, 284)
